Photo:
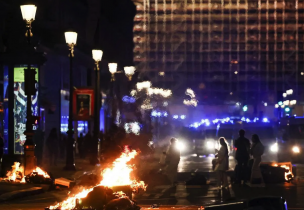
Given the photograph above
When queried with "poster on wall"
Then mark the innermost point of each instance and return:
(83, 104)
(20, 106)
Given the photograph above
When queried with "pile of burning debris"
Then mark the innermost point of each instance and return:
(37, 176)
(113, 192)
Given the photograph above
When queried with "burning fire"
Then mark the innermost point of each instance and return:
(16, 174)
(117, 175)
(288, 173)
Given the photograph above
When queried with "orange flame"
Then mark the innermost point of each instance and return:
(117, 175)
(16, 173)
(41, 172)
(288, 171)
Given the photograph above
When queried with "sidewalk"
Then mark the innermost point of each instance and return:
(10, 190)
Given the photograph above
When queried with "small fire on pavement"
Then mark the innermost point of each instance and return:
(114, 177)
(17, 174)
(288, 171)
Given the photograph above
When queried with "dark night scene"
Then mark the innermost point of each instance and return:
(151, 104)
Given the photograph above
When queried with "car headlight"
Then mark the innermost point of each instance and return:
(295, 149)
(181, 146)
(210, 145)
(274, 147)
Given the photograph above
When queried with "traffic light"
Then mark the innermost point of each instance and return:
(245, 108)
(30, 82)
(287, 109)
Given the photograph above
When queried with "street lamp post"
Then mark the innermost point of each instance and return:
(71, 38)
(112, 69)
(129, 71)
(97, 55)
(28, 14)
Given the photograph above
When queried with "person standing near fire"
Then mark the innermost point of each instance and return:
(172, 160)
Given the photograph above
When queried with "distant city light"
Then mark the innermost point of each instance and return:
(236, 72)
(182, 117)
(276, 106)
(265, 119)
(280, 103)
(175, 116)
(265, 104)
(284, 95)
(302, 73)
(245, 108)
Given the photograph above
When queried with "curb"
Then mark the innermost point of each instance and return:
(21, 193)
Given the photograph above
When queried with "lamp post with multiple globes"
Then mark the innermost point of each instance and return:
(28, 15)
(71, 38)
(97, 55)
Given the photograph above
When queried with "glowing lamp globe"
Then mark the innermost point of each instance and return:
(70, 37)
(113, 68)
(129, 71)
(97, 55)
(28, 12)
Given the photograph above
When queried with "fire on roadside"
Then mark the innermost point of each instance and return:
(288, 172)
(117, 175)
(17, 173)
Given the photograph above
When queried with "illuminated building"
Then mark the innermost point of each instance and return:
(225, 50)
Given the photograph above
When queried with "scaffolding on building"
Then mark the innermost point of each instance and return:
(225, 50)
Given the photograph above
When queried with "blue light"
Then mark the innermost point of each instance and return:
(207, 123)
(154, 113)
(280, 103)
(265, 119)
(243, 119)
(165, 114)
(182, 117)
(128, 99)
(158, 114)
(196, 125)
(175, 116)
(248, 120)
(245, 108)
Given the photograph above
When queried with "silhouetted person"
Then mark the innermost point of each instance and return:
(222, 163)
(242, 145)
(52, 146)
(172, 160)
(80, 144)
(62, 145)
(39, 143)
(1, 147)
(257, 150)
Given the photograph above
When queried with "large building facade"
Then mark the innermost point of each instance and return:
(227, 51)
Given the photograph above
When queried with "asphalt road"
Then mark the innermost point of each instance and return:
(165, 195)
(191, 163)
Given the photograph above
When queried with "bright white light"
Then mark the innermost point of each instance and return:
(190, 93)
(207, 123)
(112, 67)
(97, 55)
(129, 70)
(196, 125)
(296, 149)
(165, 103)
(191, 102)
(182, 117)
(284, 95)
(165, 114)
(274, 148)
(28, 12)
(276, 106)
(70, 37)
(175, 116)
(265, 119)
(180, 145)
(289, 92)
(286, 103)
(143, 85)
(265, 104)
(210, 145)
